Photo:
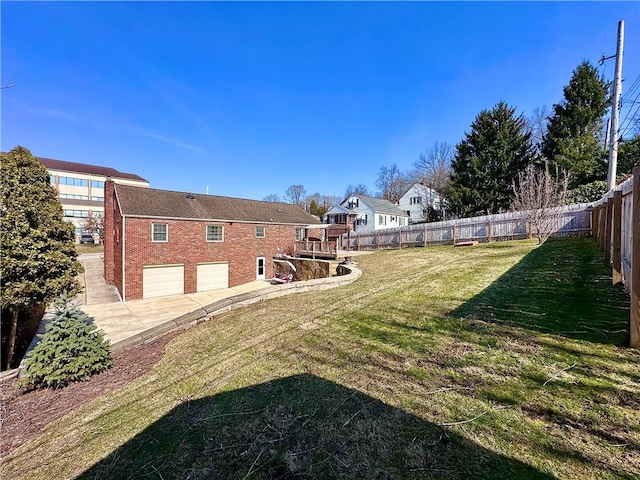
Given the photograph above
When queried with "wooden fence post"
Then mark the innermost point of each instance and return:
(424, 237)
(607, 232)
(634, 320)
(453, 234)
(616, 205)
(489, 230)
(400, 239)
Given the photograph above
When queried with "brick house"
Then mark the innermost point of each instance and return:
(160, 242)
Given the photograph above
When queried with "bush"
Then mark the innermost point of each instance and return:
(70, 350)
(589, 192)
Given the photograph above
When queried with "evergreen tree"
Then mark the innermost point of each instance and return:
(628, 155)
(37, 246)
(70, 350)
(487, 161)
(573, 140)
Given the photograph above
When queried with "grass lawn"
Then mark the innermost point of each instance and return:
(502, 361)
(89, 248)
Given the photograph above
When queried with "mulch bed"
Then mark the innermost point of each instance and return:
(24, 415)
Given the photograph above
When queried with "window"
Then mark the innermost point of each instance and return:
(97, 199)
(81, 231)
(76, 213)
(73, 197)
(97, 184)
(215, 233)
(415, 200)
(382, 219)
(299, 234)
(159, 232)
(52, 179)
(76, 182)
(393, 219)
(362, 220)
(260, 233)
(354, 203)
(408, 213)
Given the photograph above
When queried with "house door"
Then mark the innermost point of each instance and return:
(260, 268)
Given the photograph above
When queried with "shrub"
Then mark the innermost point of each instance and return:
(70, 350)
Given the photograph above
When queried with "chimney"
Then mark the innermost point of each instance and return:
(109, 230)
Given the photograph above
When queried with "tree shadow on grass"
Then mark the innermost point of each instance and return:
(300, 427)
(562, 287)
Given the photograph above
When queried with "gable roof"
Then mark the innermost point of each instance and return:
(151, 202)
(74, 167)
(380, 205)
(339, 210)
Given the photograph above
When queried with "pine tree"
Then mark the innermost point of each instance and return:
(70, 350)
(487, 161)
(37, 246)
(573, 140)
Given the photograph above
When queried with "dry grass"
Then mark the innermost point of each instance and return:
(407, 373)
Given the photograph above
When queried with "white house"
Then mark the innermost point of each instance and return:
(366, 214)
(416, 202)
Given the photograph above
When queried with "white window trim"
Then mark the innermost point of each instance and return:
(166, 233)
(264, 232)
(206, 234)
(301, 231)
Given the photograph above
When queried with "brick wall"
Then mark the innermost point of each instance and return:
(187, 245)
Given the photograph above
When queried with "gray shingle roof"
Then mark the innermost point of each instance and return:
(380, 205)
(150, 202)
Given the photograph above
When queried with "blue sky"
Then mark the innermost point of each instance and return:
(249, 98)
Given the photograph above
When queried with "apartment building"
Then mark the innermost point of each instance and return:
(80, 189)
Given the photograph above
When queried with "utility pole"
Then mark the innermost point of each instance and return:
(615, 108)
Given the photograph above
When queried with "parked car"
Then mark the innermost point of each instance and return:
(87, 238)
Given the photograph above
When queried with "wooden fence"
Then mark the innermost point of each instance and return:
(575, 220)
(616, 228)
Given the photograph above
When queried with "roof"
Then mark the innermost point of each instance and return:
(87, 169)
(339, 210)
(380, 205)
(154, 203)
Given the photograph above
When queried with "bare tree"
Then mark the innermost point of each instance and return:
(537, 124)
(95, 224)
(330, 200)
(272, 198)
(360, 189)
(295, 194)
(433, 167)
(540, 196)
(393, 183)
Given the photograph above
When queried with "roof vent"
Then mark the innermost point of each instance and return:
(190, 197)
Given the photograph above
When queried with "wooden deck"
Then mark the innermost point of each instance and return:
(323, 249)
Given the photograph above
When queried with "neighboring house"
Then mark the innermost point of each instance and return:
(417, 202)
(160, 242)
(80, 189)
(362, 214)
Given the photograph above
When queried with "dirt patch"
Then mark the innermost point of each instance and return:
(24, 415)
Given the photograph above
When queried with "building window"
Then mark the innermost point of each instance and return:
(382, 219)
(97, 184)
(299, 234)
(159, 232)
(260, 233)
(408, 213)
(354, 203)
(215, 233)
(81, 231)
(76, 213)
(362, 220)
(73, 197)
(97, 199)
(415, 200)
(52, 179)
(76, 182)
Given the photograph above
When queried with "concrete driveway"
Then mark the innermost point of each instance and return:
(120, 320)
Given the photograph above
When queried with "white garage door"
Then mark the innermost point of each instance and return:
(162, 280)
(212, 276)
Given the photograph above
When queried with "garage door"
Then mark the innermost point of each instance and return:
(162, 280)
(212, 276)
